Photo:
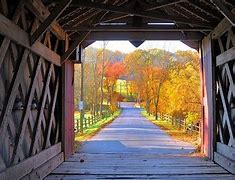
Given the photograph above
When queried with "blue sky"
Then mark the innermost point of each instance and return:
(126, 46)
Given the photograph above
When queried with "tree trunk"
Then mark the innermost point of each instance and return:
(157, 100)
(156, 110)
(101, 83)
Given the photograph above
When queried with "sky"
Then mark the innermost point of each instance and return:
(127, 47)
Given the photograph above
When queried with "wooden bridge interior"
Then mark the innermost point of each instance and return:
(38, 39)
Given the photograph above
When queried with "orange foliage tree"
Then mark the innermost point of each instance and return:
(113, 72)
(165, 82)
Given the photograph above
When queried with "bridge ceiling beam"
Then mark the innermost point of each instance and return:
(41, 12)
(224, 10)
(142, 36)
(147, 14)
(161, 5)
(143, 28)
(49, 20)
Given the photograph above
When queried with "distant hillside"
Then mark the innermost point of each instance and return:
(92, 54)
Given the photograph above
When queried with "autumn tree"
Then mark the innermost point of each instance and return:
(112, 74)
(166, 82)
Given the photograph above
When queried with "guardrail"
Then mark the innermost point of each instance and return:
(88, 121)
(180, 123)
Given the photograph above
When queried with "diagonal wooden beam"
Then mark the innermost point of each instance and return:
(164, 4)
(41, 12)
(19, 36)
(147, 14)
(6, 41)
(224, 10)
(9, 103)
(49, 20)
(75, 44)
(48, 132)
(40, 114)
(4, 7)
(19, 139)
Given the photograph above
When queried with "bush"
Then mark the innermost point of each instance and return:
(192, 118)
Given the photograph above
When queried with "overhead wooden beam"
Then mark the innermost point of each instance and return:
(111, 18)
(52, 17)
(164, 4)
(224, 10)
(202, 8)
(75, 44)
(41, 12)
(148, 14)
(143, 28)
(139, 36)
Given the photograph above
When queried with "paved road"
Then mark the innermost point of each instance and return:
(133, 133)
(131, 147)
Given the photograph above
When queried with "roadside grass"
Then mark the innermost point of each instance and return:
(94, 129)
(175, 132)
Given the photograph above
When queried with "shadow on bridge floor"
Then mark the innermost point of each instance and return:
(132, 147)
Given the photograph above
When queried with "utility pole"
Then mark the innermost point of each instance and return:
(81, 99)
(81, 103)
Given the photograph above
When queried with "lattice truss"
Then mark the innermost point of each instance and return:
(30, 117)
(225, 78)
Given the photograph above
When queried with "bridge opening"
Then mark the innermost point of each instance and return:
(164, 80)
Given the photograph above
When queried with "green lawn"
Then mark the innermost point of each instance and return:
(95, 128)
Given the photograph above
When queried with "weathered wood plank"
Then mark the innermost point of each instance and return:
(221, 28)
(225, 57)
(225, 162)
(41, 12)
(48, 21)
(226, 151)
(28, 165)
(48, 132)
(208, 123)
(121, 176)
(40, 116)
(32, 88)
(18, 35)
(42, 171)
(6, 42)
(68, 108)
(141, 160)
(141, 171)
(225, 11)
(12, 95)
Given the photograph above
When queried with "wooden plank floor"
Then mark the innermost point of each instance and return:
(133, 148)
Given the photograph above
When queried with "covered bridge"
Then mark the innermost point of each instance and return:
(37, 39)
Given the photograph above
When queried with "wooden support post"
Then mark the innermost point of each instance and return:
(52, 17)
(75, 44)
(67, 106)
(208, 98)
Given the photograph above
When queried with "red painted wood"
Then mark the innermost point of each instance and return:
(68, 108)
(208, 98)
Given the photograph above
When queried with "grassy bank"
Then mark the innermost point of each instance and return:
(174, 132)
(94, 129)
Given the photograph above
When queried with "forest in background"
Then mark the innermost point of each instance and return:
(160, 81)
